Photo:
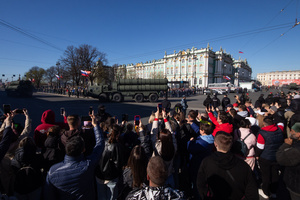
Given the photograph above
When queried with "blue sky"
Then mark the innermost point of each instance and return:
(131, 31)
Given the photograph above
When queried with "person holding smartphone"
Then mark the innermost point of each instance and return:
(18, 129)
(165, 144)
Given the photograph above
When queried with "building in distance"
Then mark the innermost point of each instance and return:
(198, 67)
(279, 78)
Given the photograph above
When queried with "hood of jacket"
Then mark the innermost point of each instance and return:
(270, 128)
(69, 134)
(224, 160)
(48, 117)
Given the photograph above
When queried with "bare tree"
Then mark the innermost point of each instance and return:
(85, 57)
(36, 74)
(131, 74)
(50, 75)
(119, 72)
(156, 75)
(70, 60)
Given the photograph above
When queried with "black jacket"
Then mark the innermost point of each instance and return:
(225, 102)
(215, 102)
(295, 105)
(111, 162)
(207, 101)
(289, 157)
(226, 177)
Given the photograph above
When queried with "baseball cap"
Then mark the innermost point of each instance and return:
(229, 105)
(296, 127)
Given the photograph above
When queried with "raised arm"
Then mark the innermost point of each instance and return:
(7, 136)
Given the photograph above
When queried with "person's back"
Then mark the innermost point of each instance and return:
(157, 175)
(224, 175)
(225, 101)
(74, 177)
(47, 120)
(215, 101)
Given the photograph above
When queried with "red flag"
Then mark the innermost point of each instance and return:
(241, 52)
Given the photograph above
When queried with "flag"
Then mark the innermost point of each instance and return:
(241, 52)
(227, 78)
(57, 76)
(85, 73)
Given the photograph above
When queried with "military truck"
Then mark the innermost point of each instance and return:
(19, 88)
(138, 89)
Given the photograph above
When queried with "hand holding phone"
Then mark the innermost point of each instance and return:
(159, 107)
(62, 111)
(124, 117)
(137, 120)
(90, 110)
(19, 111)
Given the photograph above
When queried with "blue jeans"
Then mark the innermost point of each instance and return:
(107, 191)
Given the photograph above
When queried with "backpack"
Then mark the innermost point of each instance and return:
(239, 147)
(27, 180)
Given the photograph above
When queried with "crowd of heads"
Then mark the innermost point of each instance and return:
(157, 154)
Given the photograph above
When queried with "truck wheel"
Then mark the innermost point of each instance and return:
(153, 97)
(139, 98)
(102, 97)
(117, 97)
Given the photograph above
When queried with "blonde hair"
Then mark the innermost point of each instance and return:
(151, 118)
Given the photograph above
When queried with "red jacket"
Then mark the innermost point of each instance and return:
(228, 128)
(48, 120)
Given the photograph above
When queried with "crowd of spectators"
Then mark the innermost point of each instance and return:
(232, 150)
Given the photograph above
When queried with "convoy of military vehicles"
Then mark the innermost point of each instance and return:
(138, 89)
(19, 88)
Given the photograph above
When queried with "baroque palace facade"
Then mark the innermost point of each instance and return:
(279, 78)
(198, 67)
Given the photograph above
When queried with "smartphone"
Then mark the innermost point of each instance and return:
(137, 120)
(124, 117)
(19, 111)
(159, 107)
(177, 110)
(6, 108)
(90, 110)
(62, 110)
(116, 118)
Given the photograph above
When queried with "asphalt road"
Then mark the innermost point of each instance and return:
(44, 101)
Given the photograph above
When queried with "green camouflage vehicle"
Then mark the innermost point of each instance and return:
(19, 88)
(138, 89)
